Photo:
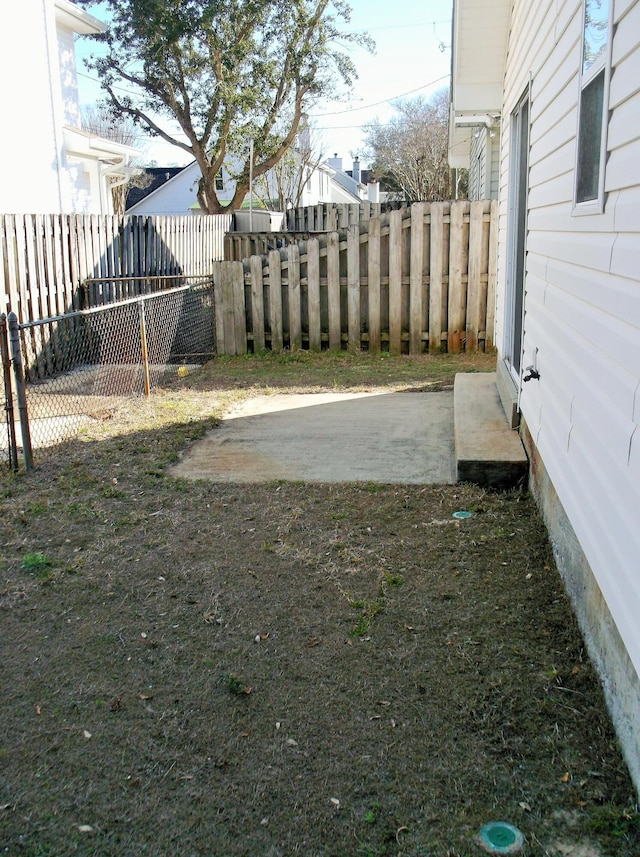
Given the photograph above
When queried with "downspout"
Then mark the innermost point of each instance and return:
(108, 169)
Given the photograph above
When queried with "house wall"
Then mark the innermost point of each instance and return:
(177, 196)
(29, 147)
(582, 329)
(40, 97)
(484, 164)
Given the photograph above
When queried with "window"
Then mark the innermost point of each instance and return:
(219, 181)
(592, 125)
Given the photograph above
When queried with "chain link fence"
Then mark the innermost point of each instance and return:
(81, 366)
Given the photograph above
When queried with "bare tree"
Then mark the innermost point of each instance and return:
(411, 150)
(99, 121)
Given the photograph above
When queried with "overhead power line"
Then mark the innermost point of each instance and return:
(384, 101)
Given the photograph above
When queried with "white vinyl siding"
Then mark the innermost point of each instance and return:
(582, 301)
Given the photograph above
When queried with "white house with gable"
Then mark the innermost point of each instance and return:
(178, 195)
(560, 79)
(51, 165)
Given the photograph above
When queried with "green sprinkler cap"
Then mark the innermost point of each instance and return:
(500, 837)
(461, 515)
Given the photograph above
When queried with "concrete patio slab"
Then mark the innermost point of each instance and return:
(333, 437)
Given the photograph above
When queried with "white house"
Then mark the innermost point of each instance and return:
(561, 80)
(178, 195)
(51, 165)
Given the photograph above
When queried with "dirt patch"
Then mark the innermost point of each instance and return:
(279, 669)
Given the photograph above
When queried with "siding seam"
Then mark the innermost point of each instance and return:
(631, 444)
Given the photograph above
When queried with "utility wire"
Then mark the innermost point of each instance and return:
(384, 101)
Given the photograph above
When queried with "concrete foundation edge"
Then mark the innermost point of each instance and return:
(620, 681)
(508, 393)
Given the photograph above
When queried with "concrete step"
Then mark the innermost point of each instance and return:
(488, 452)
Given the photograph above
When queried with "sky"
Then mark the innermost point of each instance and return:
(412, 57)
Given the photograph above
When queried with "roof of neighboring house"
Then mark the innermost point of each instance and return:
(159, 176)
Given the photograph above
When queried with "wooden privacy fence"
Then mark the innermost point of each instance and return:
(409, 281)
(55, 263)
(331, 216)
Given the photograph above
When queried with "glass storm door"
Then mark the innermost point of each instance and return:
(516, 267)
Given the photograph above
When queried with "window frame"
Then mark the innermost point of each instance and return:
(602, 64)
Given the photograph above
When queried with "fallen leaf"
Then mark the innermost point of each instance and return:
(144, 696)
(524, 806)
(38, 710)
(86, 734)
(565, 778)
(313, 641)
(292, 742)
(85, 828)
(4, 806)
(115, 703)
(335, 801)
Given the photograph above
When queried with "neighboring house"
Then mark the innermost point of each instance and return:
(178, 195)
(173, 195)
(563, 79)
(156, 176)
(358, 183)
(54, 167)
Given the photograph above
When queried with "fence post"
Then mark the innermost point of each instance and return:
(14, 340)
(8, 394)
(143, 342)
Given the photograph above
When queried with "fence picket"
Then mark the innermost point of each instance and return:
(229, 308)
(353, 287)
(275, 300)
(313, 294)
(457, 296)
(257, 301)
(373, 277)
(295, 302)
(333, 291)
(436, 235)
(474, 285)
(395, 282)
(415, 278)
(239, 313)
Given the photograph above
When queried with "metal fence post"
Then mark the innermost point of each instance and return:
(14, 339)
(145, 352)
(5, 358)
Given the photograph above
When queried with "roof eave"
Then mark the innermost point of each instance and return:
(73, 18)
(479, 38)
